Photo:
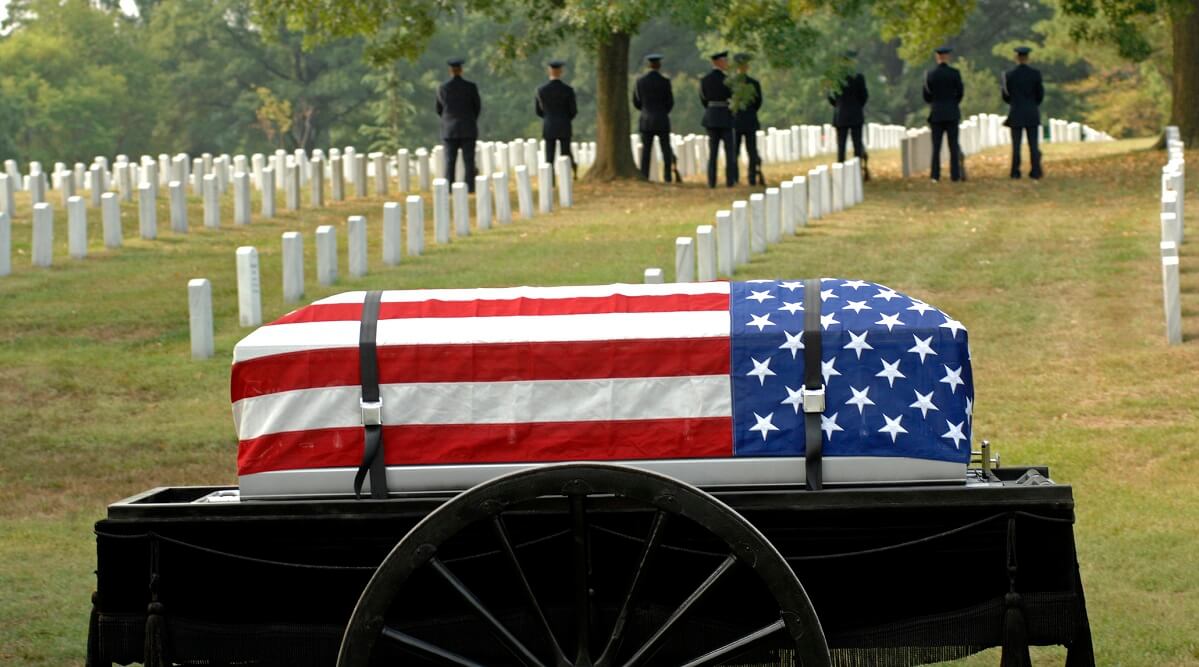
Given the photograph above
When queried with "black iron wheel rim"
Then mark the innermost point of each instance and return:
(575, 482)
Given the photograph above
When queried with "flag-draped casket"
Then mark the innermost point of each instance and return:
(703, 381)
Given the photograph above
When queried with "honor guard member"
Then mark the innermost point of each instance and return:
(943, 91)
(459, 106)
(1023, 90)
(555, 104)
(745, 116)
(849, 102)
(715, 95)
(654, 98)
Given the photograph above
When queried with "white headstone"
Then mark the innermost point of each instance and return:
(1169, 249)
(705, 253)
(741, 233)
(416, 225)
(293, 267)
(257, 164)
(359, 165)
(241, 198)
(199, 315)
(7, 198)
(724, 242)
(800, 205)
(291, 186)
(337, 179)
(503, 201)
(563, 178)
(316, 181)
(110, 219)
(125, 181)
(757, 223)
(326, 255)
(787, 207)
(177, 199)
(1170, 228)
(441, 210)
(545, 187)
(249, 291)
(524, 192)
(814, 200)
(838, 186)
(43, 235)
(653, 276)
(461, 201)
(147, 212)
(381, 175)
(356, 239)
(483, 202)
(392, 235)
(197, 177)
(422, 169)
(268, 192)
(77, 227)
(5, 243)
(684, 260)
(1172, 300)
(773, 215)
(212, 202)
(402, 175)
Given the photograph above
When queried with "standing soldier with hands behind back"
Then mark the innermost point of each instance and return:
(1023, 90)
(849, 102)
(459, 106)
(943, 90)
(555, 104)
(653, 96)
(714, 95)
(747, 100)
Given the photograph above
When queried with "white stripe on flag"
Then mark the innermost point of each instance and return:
(530, 401)
(505, 293)
(283, 338)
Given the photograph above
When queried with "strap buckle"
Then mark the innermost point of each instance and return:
(813, 400)
(372, 412)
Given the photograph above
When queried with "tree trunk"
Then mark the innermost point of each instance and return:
(1184, 109)
(613, 154)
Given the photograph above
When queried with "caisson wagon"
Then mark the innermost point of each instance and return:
(770, 472)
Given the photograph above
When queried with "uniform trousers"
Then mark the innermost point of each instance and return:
(750, 138)
(1034, 151)
(467, 146)
(859, 147)
(647, 150)
(716, 136)
(946, 129)
(551, 149)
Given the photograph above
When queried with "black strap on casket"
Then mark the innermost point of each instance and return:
(813, 392)
(371, 404)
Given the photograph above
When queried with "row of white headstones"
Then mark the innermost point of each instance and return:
(982, 131)
(212, 177)
(750, 227)
(451, 218)
(1172, 221)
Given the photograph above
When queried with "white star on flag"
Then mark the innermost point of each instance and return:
(920, 306)
(791, 284)
(890, 371)
(953, 325)
(760, 321)
(893, 427)
(860, 399)
(925, 403)
(955, 433)
(827, 370)
(923, 347)
(826, 320)
(764, 424)
(858, 343)
(952, 378)
(856, 306)
(794, 342)
(969, 409)
(761, 370)
(887, 295)
(890, 321)
(759, 296)
(828, 425)
(791, 307)
(826, 294)
(794, 398)
(855, 284)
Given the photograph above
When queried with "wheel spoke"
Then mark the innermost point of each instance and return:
(506, 546)
(618, 628)
(509, 640)
(421, 646)
(656, 638)
(582, 568)
(732, 646)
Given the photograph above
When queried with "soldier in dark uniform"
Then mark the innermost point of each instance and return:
(715, 95)
(1023, 90)
(848, 103)
(943, 91)
(654, 97)
(459, 106)
(555, 104)
(745, 116)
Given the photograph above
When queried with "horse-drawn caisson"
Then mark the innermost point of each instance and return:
(686, 474)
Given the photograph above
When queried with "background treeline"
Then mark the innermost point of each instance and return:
(79, 79)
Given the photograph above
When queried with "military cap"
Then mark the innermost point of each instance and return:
(718, 55)
(741, 58)
(943, 49)
(1023, 50)
(653, 57)
(556, 64)
(455, 62)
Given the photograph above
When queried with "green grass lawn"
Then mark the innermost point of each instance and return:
(1059, 282)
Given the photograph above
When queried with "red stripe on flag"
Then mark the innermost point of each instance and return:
(616, 303)
(493, 443)
(575, 360)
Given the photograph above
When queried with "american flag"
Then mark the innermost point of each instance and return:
(611, 372)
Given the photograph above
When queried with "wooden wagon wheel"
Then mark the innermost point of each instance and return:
(572, 487)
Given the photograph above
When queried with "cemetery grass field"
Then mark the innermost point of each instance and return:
(1058, 281)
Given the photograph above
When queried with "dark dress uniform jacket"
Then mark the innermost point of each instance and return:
(1024, 91)
(849, 102)
(654, 96)
(746, 120)
(555, 103)
(712, 88)
(459, 106)
(943, 90)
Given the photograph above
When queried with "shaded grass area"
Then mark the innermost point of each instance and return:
(1058, 281)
